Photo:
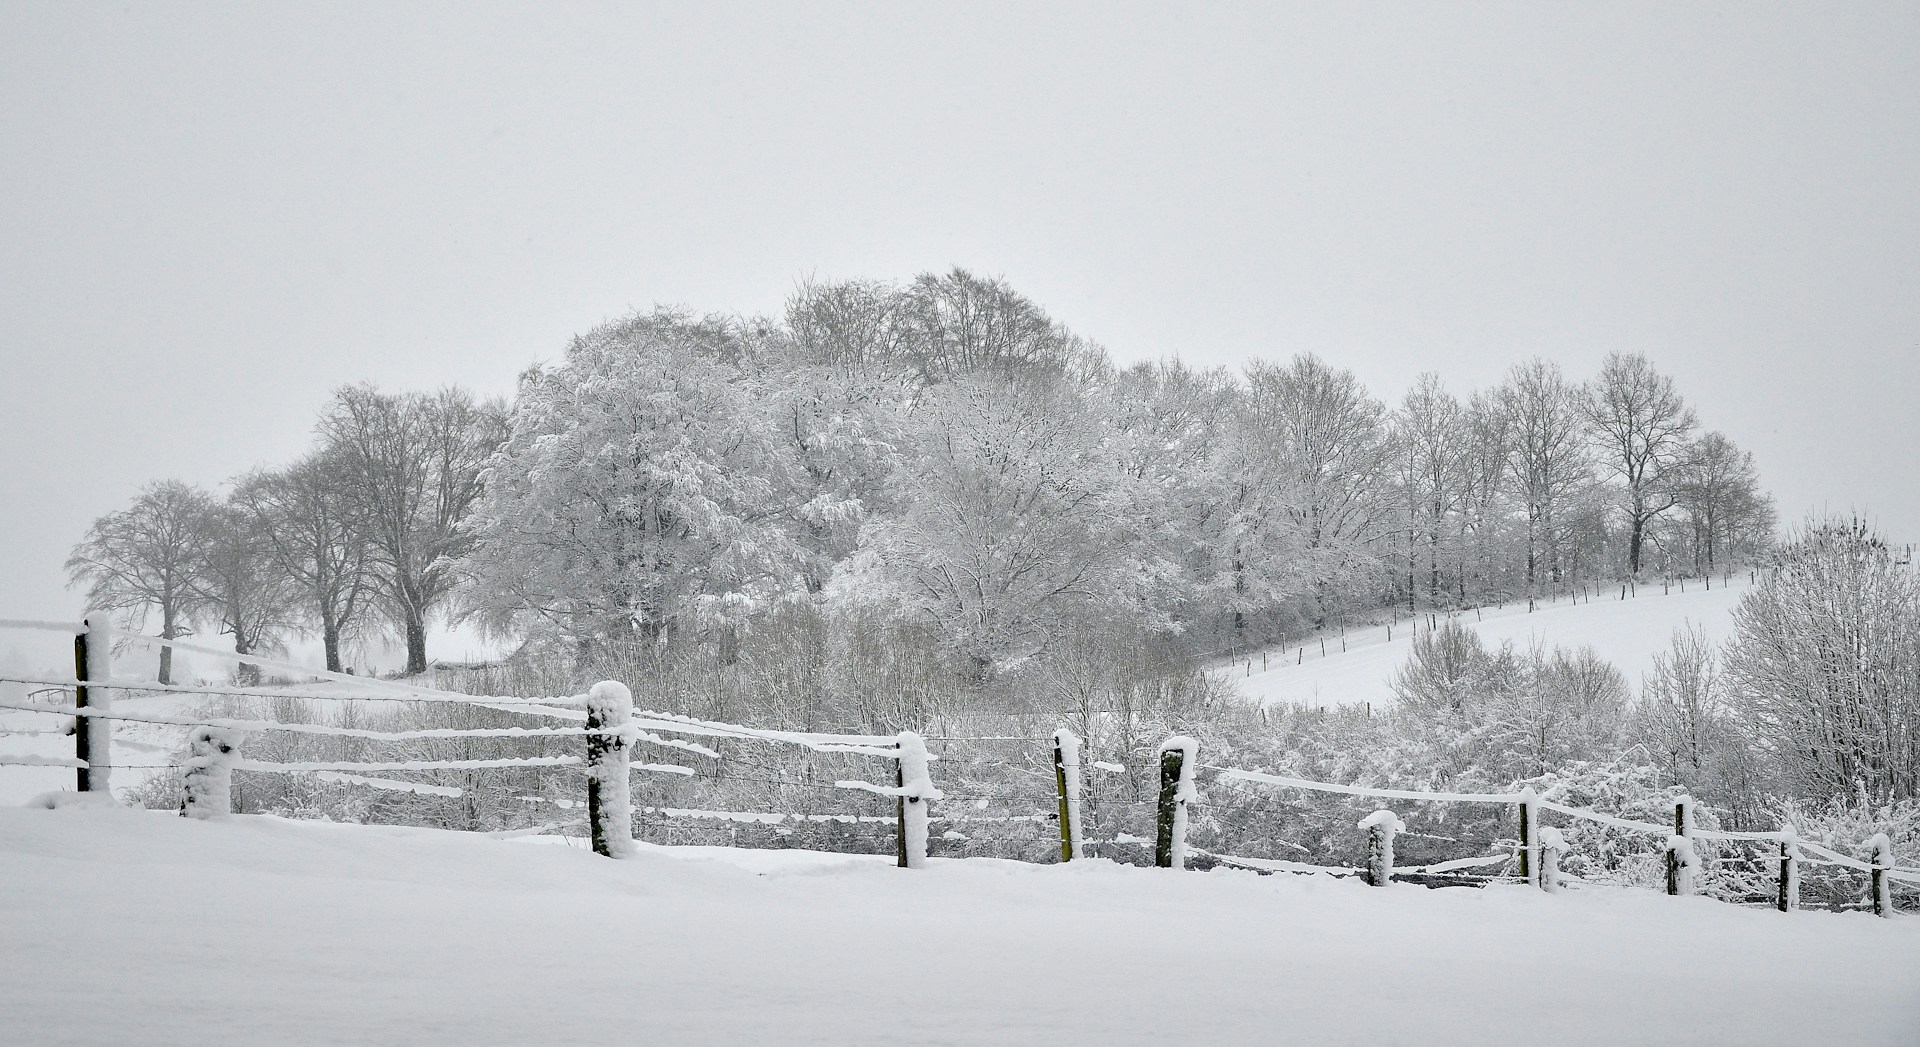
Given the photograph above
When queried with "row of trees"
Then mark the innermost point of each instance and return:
(941, 453)
(362, 535)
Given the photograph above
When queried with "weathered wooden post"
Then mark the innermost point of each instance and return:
(1177, 756)
(609, 790)
(93, 742)
(1380, 827)
(1881, 883)
(1789, 870)
(1683, 862)
(1529, 836)
(1552, 847)
(916, 792)
(207, 786)
(1066, 776)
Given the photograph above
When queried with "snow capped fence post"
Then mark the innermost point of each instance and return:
(1789, 870)
(207, 786)
(1683, 862)
(1066, 775)
(916, 791)
(1529, 836)
(1552, 846)
(1177, 757)
(93, 743)
(1380, 827)
(609, 792)
(1882, 849)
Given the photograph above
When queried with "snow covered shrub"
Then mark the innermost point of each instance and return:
(1684, 720)
(1824, 667)
(1844, 824)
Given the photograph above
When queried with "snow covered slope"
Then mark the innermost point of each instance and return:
(1627, 633)
(133, 927)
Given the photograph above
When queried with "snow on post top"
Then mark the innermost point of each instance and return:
(1385, 819)
(612, 700)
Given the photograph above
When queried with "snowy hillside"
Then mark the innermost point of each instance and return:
(144, 928)
(1627, 633)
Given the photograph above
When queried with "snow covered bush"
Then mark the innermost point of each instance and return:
(1824, 668)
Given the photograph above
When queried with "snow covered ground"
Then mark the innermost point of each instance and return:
(1627, 633)
(134, 927)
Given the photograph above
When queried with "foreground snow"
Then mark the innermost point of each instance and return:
(128, 926)
(1627, 633)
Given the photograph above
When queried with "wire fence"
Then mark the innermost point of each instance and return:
(738, 785)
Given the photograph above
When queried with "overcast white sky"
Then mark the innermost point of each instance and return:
(211, 215)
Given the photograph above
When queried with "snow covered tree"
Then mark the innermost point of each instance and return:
(1011, 521)
(1644, 431)
(410, 466)
(1684, 720)
(1547, 460)
(146, 559)
(1824, 668)
(1430, 435)
(1326, 441)
(303, 520)
(642, 489)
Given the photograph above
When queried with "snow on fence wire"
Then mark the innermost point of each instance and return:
(606, 719)
(1538, 849)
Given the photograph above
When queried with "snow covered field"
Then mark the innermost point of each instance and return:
(1627, 633)
(135, 927)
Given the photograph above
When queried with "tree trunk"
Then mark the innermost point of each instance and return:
(167, 632)
(330, 639)
(1633, 545)
(416, 643)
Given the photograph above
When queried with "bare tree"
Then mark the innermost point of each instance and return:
(1546, 457)
(849, 325)
(1482, 464)
(1430, 430)
(303, 517)
(1644, 430)
(245, 591)
(958, 323)
(146, 558)
(1719, 490)
(411, 466)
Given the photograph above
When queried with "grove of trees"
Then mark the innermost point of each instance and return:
(929, 503)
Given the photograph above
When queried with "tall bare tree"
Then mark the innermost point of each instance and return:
(246, 592)
(411, 466)
(1431, 431)
(146, 558)
(1644, 430)
(1546, 456)
(304, 520)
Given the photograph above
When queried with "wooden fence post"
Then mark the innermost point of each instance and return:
(93, 742)
(1177, 756)
(609, 790)
(1682, 861)
(1529, 836)
(207, 786)
(1066, 776)
(1881, 883)
(1380, 827)
(1552, 846)
(1789, 870)
(916, 793)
